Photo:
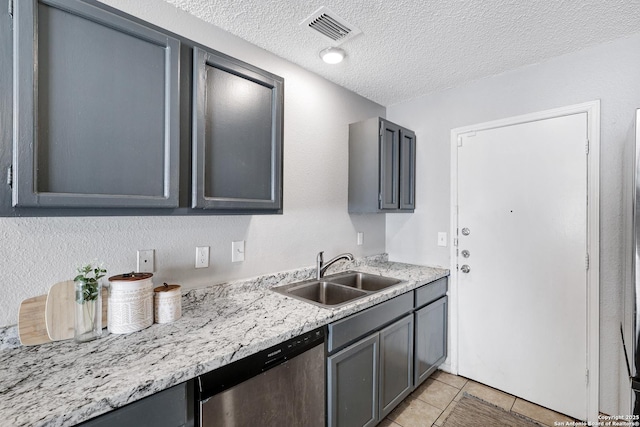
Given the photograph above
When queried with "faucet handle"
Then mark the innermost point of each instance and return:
(319, 264)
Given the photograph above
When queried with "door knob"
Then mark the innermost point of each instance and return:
(465, 268)
(466, 253)
(466, 231)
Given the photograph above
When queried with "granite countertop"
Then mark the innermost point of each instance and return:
(64, 383)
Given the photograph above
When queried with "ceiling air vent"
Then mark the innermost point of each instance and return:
(329, 25)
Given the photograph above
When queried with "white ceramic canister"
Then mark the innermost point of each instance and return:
(130, 303)
(167, 303)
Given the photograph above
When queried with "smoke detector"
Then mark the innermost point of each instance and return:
(330, 26)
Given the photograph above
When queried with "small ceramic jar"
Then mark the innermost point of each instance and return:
(168, 303)
(130, 303)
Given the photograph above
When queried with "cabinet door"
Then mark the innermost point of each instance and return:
(352, 382)
(396, 364)
(95, 109)
(431, 339)
(389, 164)
(237, 135)
(172, 407)
(407, 169)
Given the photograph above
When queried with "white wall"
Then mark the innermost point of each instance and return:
(37, 252)
(609, 72)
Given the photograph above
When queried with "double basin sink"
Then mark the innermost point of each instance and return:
(338, 289)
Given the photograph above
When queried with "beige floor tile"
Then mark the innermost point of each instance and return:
(424, 406)
(403, 406)
(489, 394)
(436, 393)
(442, 418)
(414, 413)
(388, 423)
(447, 378)
(538, 413)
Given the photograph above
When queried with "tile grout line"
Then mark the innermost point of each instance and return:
(459, 388)
(451, 404)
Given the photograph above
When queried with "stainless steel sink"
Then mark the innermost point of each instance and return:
(338, 289)
(364, 281)
(325, 293)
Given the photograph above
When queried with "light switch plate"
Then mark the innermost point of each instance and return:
(360, 238)
(145, 262)
(237, 251)
(202, 257)
(442, 238)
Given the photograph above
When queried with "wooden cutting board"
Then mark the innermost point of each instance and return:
(60, 310)
(32, 328)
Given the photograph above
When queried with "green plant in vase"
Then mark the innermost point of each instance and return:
(88, 316)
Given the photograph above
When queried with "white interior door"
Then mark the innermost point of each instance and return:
(522, 306)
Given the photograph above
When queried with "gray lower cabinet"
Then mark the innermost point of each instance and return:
(353, 384)
(378, 356)
(369, 378)
(430, 328)
(430, 338)
(396, 364)
(382, 167)
(95, 109)
(237, 137)
(173, 407)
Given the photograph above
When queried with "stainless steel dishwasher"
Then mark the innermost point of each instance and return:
(280, 386)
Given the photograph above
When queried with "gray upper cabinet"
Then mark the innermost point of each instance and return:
(237, 135)
(382, 167)
(104, 114)
(96, 109)
(407, 169)
(389, 165)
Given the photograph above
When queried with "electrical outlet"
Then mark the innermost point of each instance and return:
(202, 257)
(442, 238)
(359, 238)
(145, 262)
(237, 251)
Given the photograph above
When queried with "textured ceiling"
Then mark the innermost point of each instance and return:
(412, 47)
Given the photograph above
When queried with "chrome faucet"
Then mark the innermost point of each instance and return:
(321, 266)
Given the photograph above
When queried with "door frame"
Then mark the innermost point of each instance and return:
(593, 237)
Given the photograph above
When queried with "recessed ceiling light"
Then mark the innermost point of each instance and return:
(332, 55)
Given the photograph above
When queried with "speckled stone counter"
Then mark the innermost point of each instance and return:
(64, 383)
